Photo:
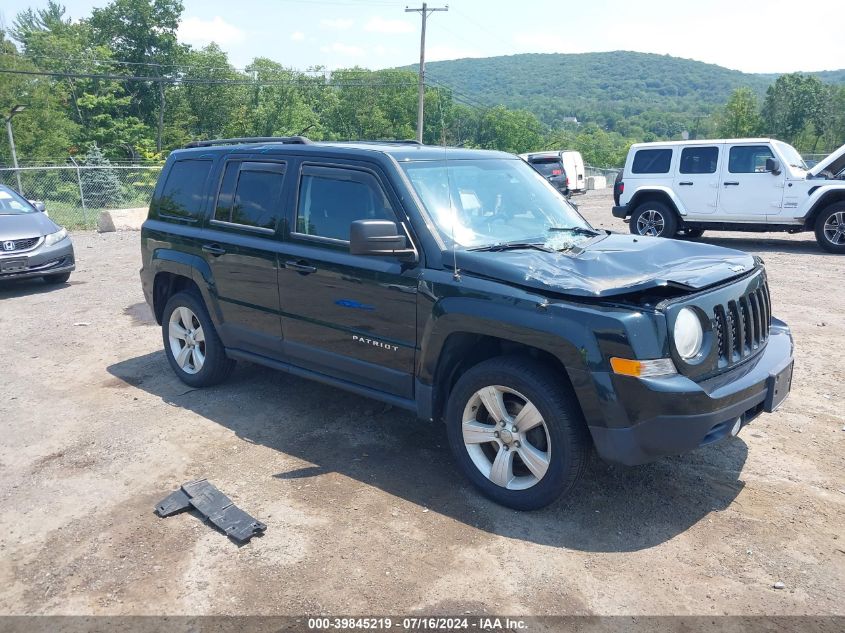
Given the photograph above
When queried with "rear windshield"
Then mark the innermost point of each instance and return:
(652, 161)
(184, 191)
(13, 204)
(547, 166)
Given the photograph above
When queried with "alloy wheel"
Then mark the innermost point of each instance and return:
(651, 223)
(834, 228)
(506, 437)
(187, 340)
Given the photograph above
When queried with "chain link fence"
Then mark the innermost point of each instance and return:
(75, 195)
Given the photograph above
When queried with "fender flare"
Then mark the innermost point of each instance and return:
(821, 198)
(572, 344)
(192, 267)
(643, 190)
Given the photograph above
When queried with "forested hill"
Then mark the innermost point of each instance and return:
(593, 86)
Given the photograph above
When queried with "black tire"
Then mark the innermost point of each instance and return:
(831, 216)
(56, 279)
(566, 437)
(216, 366)
(692, 233)
(653, 211)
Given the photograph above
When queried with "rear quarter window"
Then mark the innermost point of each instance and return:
(184, 192)
(652, 161)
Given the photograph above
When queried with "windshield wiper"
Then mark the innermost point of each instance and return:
(578, 230)
(510, 246)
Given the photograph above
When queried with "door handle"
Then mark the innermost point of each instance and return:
(213, 249)
(301, 267)
(686, 183)
(732, 182)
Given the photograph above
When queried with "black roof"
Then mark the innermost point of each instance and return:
(399, 150)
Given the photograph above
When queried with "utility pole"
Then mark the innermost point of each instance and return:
(15, 110)
(424, 11)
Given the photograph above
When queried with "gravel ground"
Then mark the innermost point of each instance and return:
(365, 511)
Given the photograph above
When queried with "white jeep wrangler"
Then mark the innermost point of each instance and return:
(685, 187)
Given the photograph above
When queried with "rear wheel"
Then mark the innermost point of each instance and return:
(56, 279)
(191, 344)
(516, 432)
(830, 228)
(653, 219)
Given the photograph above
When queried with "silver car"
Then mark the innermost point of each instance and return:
(31, 244)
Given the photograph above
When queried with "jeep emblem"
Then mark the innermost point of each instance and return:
(8, 246)
(738, 268)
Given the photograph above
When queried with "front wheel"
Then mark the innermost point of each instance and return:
(653, 219)
(191, 344)
(516, 432)
(830, 228)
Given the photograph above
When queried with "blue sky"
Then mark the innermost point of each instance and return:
(759, 36)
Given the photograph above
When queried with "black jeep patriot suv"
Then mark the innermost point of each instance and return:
(460, 285)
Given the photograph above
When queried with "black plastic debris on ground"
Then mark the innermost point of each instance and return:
(214, 506)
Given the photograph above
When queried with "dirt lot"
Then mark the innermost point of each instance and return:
(365, 511)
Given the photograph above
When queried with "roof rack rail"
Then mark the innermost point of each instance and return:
(290, 140)
(383, 141)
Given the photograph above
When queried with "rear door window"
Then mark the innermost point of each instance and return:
(699, 160)
(251, 195)
(652, 161)
(183, 195)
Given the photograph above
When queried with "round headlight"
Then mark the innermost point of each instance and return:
(688, 334)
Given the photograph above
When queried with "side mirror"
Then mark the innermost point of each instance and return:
(39, 206)
(772, 166)
(378, 237)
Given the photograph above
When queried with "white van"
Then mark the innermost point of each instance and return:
(573, 163)
(564, 169)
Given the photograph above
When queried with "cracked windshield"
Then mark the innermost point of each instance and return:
(490, 202)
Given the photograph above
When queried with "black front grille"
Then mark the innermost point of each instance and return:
(742, 325)
(19, 245)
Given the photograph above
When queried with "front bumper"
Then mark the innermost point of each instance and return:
(620, 212)
(654, 417)
(44, 260)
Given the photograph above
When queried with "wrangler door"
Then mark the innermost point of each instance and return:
(350, 317)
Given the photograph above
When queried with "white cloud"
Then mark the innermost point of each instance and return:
(337, 24)
(544, 42)
(343, 49)
(437, 53)
(198, 31)
(297, 36)
(378, 24)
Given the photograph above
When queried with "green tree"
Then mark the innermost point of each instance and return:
(792, 103)
(140, 32)
(514, 131)
(101, 185)
(740, 117)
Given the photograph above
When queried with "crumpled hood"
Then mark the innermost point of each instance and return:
(834, 162)
(21, 227)
(613, 265)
